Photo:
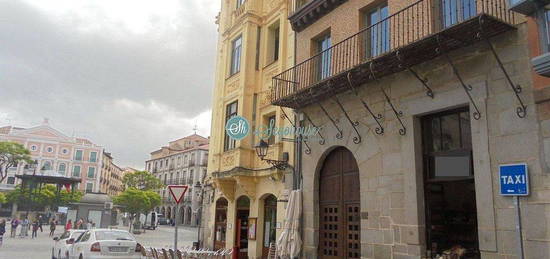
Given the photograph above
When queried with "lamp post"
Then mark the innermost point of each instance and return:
(198, 186)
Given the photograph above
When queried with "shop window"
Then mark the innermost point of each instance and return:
(270, 223)
(220, 224)
(451, 215)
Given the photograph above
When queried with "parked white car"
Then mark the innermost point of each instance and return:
(105, 244)
(64, 242)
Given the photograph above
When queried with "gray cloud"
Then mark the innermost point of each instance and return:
(128, 91)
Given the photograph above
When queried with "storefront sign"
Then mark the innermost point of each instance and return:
(238, 128)
(514, 180)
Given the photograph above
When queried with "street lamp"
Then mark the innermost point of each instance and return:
(261, 152)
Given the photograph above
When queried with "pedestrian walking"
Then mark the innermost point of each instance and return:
(35, 226)
(69, 225)
(53, 225)
(24, 228)
(2, 230)
(14, 224)
(79, 224)
(89, 225)
(40, 222)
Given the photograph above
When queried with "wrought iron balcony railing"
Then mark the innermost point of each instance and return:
(414, 34)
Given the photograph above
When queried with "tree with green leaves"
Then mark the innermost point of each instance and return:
(135, 202)
(11, 154)
(3, 198)
(46, 196)
(142, 180)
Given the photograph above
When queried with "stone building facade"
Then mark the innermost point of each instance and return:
(255, 43)
(182, 162)
(55, 151)
(416, 116)
(111, 178)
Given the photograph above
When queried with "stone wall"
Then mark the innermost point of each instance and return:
(392, 202)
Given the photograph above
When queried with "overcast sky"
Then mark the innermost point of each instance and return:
(130, 75)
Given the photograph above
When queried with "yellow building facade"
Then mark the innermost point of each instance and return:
(246, 206)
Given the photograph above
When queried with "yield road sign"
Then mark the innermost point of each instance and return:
(177, 192)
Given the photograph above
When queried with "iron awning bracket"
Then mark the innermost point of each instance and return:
(521, 110)
(354, 124)
(300, 137)
(339, 134)
(398, 114)
(467, 88)
(379, 130)
(322, 140)
(424, 81)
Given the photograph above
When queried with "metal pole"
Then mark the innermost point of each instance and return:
(518, 227)
(176, 228)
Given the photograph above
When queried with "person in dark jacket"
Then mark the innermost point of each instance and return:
(2, 230)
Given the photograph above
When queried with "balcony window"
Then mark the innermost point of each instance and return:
(324, 59)
(378, 40)
(230, 112)
(236, 49)
(239, 3)
(455, 11)
(78, 155)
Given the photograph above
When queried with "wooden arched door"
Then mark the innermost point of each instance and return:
(339, 206)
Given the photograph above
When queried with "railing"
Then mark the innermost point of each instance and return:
(410, 24)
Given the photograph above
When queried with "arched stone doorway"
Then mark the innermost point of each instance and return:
(182, 216)
(270, 223)
(241, 227)
(220, 222)
(188, 216)
(339, 206)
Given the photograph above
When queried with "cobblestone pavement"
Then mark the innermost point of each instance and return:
(40, 248)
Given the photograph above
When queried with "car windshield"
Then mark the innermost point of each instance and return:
(76, 234)
(113, 235)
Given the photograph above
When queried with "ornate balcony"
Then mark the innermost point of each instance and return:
(417, 33)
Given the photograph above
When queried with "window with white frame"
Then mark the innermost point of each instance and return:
(236, 49)
(76, 171)
(78, 155)
(91, 172)
(93, 156)
(89, 187)
(61, 168)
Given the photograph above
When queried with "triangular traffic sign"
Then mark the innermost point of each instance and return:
(177, 191)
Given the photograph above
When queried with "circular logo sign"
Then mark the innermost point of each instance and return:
(237, 127)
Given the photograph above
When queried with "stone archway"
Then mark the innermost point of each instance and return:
(181, 214)
(339, 206)
(188, 216)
